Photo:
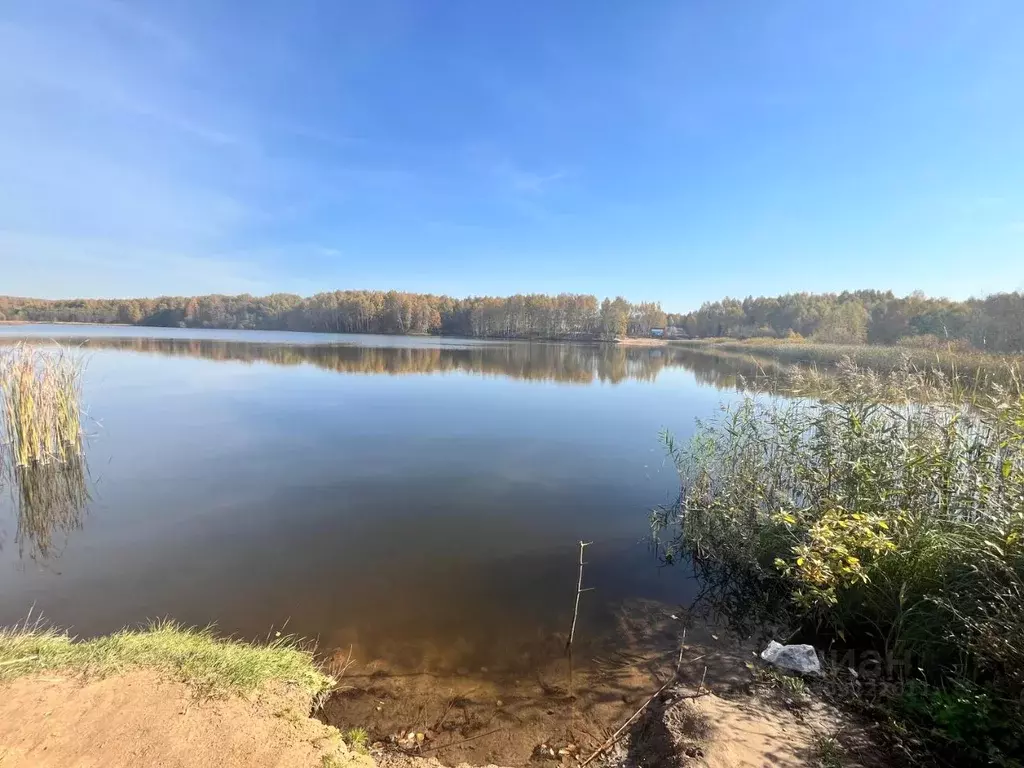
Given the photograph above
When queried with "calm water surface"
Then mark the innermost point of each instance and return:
(419, 498)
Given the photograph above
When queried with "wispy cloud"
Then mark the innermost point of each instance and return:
(152, 144)
(80, 266)
(511, 176)
(119, 167)
(75, 70)
(147, 28)
(527, 181)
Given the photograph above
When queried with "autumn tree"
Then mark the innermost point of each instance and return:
(843, 324)
(994, 323)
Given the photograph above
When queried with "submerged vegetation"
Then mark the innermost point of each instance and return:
(211, 665)
(889, 516)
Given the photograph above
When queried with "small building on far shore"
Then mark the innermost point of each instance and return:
(657, 332)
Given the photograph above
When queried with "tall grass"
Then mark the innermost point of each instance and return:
(951, 359)
(891, 513)
(40, 404)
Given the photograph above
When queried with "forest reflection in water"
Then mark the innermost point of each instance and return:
(48, 501)
(563, 362)
(424, 520)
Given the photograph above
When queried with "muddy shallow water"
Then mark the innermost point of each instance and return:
(414, 502)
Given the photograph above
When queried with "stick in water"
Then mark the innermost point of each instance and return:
(579, 591)
(572, 636)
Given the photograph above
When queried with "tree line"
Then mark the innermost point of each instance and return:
(521, 316)
(994, 323)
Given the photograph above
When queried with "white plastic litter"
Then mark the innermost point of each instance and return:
(795, 658)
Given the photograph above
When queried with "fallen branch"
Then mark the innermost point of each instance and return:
(622, 728)
(455, 743)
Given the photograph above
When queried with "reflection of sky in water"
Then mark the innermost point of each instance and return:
(354, 505)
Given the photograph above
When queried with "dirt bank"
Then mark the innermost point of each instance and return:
(174, 697)
(143, 719)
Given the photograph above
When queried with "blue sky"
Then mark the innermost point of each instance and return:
(676, 151)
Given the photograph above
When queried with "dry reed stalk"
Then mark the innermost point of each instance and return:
(40, 405)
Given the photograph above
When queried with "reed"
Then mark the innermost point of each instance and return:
(951, 359)
(889, 512)
(40, 404)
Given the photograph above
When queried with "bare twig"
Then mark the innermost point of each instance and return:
(338, 671)
(572, 635)
(456, 743)
(679, 660)
(622, 728)
(451, 703)
(579, 591)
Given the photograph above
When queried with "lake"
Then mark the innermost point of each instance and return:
(416, 500)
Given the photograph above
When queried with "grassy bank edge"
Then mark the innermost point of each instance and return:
(197, 657)
(877, 357)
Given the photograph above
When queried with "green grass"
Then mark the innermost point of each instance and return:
(207, 663)
(829, 751)
(358, 739)
(788, 684)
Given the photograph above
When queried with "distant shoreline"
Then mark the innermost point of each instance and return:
(68, 322)
(626, 341)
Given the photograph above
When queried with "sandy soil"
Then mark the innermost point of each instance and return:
(716, 732)
(491, 716)
(676, 731)
(630, 341)
(456, 716)
(137, 719)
